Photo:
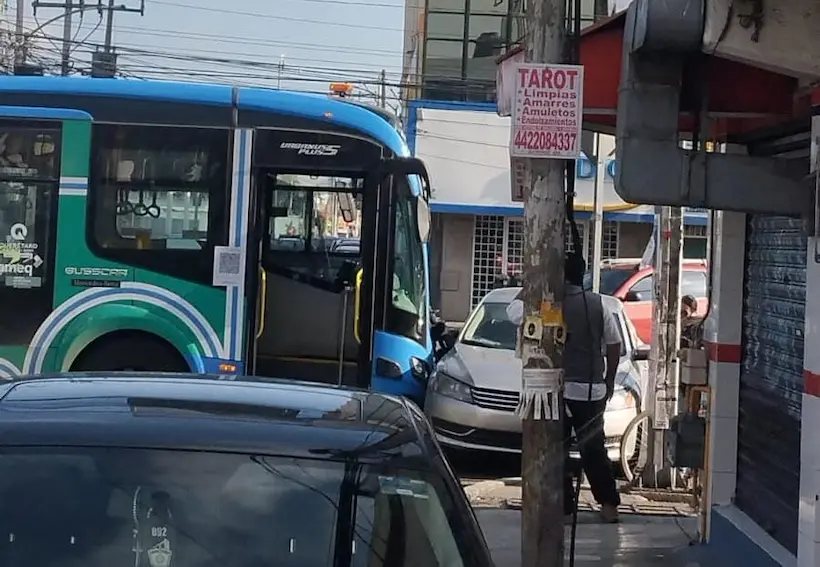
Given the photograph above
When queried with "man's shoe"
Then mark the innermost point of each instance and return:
(609, 514)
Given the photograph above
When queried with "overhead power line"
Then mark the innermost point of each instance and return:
(337, 2)
(251, 41)
(394, 79)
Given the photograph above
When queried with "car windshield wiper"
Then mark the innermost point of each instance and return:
(484, 343)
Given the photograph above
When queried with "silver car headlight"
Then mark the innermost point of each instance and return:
(622, 399)
(451, 388)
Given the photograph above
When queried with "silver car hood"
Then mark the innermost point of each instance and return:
(499, 369)
(484, 367)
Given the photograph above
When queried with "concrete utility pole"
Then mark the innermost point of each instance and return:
(70, 7)
(65, 64)
(597, 215)
(383, 89)
(19, 34)
(109, 26)
(542, 459)
(662, 402)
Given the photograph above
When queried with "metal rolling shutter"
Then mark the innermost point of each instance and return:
(771, 375)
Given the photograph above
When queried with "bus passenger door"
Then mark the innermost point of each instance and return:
(29, 187)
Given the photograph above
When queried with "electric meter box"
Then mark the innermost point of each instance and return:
(693, 367)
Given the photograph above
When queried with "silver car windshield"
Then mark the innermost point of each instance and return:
(489, 326)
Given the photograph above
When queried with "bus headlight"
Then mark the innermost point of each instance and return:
(419, 369)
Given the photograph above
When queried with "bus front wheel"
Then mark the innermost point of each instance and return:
(130, 351)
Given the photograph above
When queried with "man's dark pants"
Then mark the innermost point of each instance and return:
(587, 418)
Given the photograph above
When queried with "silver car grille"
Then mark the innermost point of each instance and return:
(501, 400)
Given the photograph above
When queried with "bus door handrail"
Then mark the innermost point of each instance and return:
(357, 304)
(263, 303)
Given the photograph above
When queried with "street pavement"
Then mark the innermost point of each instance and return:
(650, 533)
(637, 541)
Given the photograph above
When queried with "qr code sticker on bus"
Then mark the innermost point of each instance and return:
(227, 266)
(230, 263)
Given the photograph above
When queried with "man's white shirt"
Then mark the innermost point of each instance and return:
(577, 391)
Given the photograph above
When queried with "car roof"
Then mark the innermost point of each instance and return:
(502, 295)
(507, 294)
(635, 264)
(208, 412)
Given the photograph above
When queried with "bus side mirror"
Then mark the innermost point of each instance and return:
(423, 216)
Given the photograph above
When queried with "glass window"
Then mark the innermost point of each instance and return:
(487, 33)
(101, 506)
(693, 283)
(29, 172)
(489, 7)
(445, 26)
(409, 288)
(621, 333)
(644, 289)
(611, 280)
(446, 5)
(158, 191)
(443, 49)
(489, 326)
(314, 224)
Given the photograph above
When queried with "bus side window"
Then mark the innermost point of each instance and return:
(158, 197)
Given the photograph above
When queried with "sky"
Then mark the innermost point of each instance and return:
(319, 41)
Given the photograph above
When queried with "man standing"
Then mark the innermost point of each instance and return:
(591, 334)
(691, 324)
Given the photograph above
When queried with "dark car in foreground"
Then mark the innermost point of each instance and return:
(101, 470)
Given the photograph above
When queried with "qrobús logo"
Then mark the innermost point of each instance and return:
(311, 149)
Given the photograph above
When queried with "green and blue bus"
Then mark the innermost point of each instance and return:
(162, 226)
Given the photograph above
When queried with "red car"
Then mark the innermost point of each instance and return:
(626, 280)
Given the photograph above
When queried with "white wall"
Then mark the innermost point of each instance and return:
(467, 155)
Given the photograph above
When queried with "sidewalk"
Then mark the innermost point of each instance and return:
(650, 533)
(637, 541)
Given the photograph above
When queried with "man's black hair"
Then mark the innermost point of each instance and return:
(574, 269)
(690, 301)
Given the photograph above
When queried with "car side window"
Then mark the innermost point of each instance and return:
(693, 283)
(643, 289)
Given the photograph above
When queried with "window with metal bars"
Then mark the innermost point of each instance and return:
(609, 241)
(488, 254)
(498, 249)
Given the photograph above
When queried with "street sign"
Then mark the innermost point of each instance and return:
(547, 112)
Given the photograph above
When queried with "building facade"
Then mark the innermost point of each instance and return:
(478, 229)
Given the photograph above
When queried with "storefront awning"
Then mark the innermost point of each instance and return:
(740, 97)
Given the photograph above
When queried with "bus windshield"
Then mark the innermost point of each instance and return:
(409, 288)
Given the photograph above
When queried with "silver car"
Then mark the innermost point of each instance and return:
(472, 397)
